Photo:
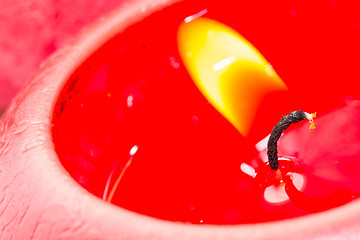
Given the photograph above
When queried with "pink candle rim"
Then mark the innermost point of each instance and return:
(34, 206)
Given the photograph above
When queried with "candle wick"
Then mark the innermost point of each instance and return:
(280, 127)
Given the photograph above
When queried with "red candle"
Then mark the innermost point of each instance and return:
(136, 92)
(133, 104)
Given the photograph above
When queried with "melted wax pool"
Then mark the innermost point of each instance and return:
(133, 101)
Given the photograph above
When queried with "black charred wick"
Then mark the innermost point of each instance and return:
(281, 126)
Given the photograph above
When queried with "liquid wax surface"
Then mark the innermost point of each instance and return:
(190, 163)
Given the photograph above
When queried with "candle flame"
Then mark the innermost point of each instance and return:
(311, 117)
(312, 123)
(230, 72)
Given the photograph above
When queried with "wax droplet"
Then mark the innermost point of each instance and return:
(227, 69)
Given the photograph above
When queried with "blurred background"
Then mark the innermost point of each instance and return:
(30, 30)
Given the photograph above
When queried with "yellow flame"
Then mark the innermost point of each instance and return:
(312, 123)
(229, 71)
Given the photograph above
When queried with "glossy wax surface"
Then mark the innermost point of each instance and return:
(134, 100)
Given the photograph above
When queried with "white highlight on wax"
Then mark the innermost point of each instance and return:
(277, 195)
(224, 63)
(129, 101)
(262, 144)
(249, 170)
(106, 196)
(195, 16)
(133, 150)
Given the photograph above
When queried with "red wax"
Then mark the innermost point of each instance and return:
(135, 91)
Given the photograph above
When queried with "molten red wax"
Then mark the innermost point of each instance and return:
(135, 91)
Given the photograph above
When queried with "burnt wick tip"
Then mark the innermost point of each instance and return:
(280, 127)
